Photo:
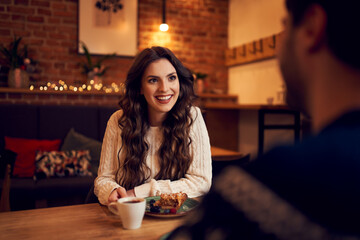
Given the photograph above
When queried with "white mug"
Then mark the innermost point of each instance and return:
(131, 211)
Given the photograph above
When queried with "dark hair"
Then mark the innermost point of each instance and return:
(342, 19)
(174, 153)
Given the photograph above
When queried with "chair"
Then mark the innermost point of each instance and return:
(262, 126)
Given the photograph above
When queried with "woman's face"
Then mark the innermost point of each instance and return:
(160, 87)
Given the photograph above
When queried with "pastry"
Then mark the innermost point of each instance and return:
(171, 200)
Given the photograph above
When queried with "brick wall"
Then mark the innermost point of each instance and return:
(197, 35)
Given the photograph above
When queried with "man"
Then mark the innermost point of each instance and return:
(310, 190)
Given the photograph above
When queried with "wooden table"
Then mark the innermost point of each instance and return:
(88, 221)
(221, 154)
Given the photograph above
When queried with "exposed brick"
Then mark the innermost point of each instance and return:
(63, 14)
(4, 32)
(54, 20)
(69, 44)
(198, 31)
(53, 42)
(12, 25)
(73, 65)
(49, 28)
(58, 6)
(40, 34)
(42, 11)
(5, 1)
(22, 33)
(21, 10)
(18, 17)
(69, 21)
(58, 36)
(36, 42)
(22, 2)
(40, 3)
(35, 19)
(59, 65)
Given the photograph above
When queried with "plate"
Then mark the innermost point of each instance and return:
(188, 206)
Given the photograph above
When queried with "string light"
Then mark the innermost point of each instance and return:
(62, 86)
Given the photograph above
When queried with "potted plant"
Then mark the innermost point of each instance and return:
(94, 71)
(16, 59)
(200, 84)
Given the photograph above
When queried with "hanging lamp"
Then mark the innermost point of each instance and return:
(163, 26)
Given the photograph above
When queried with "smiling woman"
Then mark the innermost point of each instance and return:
(160, 87)
(158, 141)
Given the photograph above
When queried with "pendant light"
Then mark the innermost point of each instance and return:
(164, 27)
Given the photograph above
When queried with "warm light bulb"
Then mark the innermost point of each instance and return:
(164, 27)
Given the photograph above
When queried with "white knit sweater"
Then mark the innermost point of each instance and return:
(197, 180)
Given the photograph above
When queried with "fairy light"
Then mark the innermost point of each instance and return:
(60, 85)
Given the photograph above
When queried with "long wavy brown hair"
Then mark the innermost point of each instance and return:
(174, 153)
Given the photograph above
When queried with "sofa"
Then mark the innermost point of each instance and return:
(73, 128)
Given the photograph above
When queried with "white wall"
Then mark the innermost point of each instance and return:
(251, 20)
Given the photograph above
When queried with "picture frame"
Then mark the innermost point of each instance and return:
(108, 32)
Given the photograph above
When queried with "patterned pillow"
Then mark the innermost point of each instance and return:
(63, 163)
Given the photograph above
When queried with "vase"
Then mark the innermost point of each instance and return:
(18, 78)
(96, 79)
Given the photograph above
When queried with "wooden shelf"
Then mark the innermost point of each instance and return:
(235, 106)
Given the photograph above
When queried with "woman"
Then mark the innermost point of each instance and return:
(157, 142)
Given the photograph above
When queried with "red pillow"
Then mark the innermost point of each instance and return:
(26, 150)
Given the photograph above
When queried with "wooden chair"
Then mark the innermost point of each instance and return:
(5, 193)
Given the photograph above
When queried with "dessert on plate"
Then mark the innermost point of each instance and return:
(171, 200)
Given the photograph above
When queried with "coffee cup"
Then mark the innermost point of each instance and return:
(131, 211)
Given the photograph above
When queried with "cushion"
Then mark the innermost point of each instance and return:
(26, 149)
(77, 141)
(63, 163)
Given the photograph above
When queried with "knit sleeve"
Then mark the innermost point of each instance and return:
(105, 182)
(197, 180)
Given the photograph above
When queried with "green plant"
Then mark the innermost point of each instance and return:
(15, 57)
(200, 75)
(97, 68)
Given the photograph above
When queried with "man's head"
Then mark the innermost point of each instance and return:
(343, 19)
(325, 24)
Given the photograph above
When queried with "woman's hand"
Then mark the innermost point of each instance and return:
(119, 192)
